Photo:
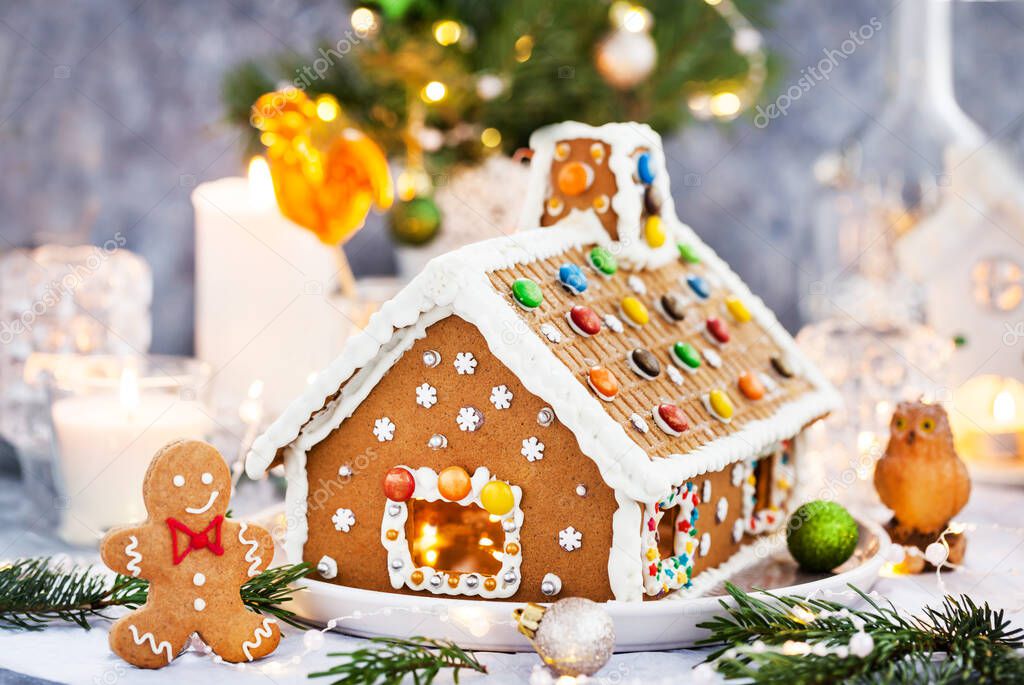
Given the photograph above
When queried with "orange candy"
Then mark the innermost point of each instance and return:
(751, 386)
(603, 383)
(453, 483)
(574, 178)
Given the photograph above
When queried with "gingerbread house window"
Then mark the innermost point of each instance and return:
(767, 489)
(670, 540)
(443, 545)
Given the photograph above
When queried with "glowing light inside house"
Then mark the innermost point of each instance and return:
(1004, 407)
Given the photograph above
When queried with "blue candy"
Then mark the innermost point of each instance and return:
(644, 169)
(699, 286)
(572, 278)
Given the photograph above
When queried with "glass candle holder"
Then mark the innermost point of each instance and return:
(110, 416)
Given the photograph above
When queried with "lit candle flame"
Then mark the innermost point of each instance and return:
(261, 185)
(1004, 408)
(130, 389)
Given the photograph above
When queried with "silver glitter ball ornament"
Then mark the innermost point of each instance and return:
(431, 358)
(573, 636)
(437, 442)
(545, 416)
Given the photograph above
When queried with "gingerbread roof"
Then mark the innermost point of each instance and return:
(553, 360)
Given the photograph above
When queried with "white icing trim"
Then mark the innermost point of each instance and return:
(749, 555)
(295, 504)
(264, 631)
(134, 556)
(154, 646)
(254, 546)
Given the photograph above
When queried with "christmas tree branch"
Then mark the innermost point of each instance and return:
(790, 640)
(388, 661)
(35, 593)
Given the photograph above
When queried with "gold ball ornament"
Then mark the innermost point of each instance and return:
(625, 58)
(574, 636)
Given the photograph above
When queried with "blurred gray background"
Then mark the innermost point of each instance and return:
(110, 112)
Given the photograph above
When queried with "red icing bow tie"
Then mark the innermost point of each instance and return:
(207, 538)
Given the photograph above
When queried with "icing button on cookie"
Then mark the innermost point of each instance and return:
(527, 293)
(603, 383)
(717, 330)
(738, 309)
(584, 320)
(720, 405)
(572, 278)
(782, 367)
(634, 311)
(688, 254)
(654, 232)
(644, 363)
(685, 355)
(670, 419)
(575, 178)
(673, 307)
(652, 200)
(699, 286)
(751, 386)
(602, 261)
(645, 168)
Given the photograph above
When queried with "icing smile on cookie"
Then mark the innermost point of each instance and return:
(203, 510)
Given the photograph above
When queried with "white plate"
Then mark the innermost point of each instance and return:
(639, 626)
(997, 471)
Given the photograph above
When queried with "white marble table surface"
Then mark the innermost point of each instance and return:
(70, 655)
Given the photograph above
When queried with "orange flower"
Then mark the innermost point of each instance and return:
(326, 175)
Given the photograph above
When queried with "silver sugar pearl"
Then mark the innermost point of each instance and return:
(397, 564)
(508, 525)
(581, 490)
(394, 509)
(437, 442)
(345, 471)
(435, 581)
(551, 585)
(431, 358)
(471, 581)
(545, 416)
(509, 577)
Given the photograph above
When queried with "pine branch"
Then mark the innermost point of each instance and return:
(789, 640)
(35, 593)
(390, 660)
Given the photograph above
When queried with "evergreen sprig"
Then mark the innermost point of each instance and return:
(956, 643)
(36, 592)
(389, 660)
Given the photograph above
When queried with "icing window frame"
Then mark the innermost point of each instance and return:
(402, 570)
(662, 575)
(759, 517)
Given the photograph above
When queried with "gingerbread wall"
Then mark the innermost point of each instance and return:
(550, 501)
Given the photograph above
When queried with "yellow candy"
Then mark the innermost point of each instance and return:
(654, 232)
(738, 310)
(652, 554)
(496, 496)
(635, 311)
(720, 404)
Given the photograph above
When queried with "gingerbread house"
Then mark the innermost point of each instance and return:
(596, 407)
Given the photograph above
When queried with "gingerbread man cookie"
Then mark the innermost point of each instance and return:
(195, 560)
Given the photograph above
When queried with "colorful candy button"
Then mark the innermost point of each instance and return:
(497, 498)
(584, 320)
(645, 168)
(601, 204)
(686, 356)
(751, 386)
(634, 311)
(720, 405)
(597, 152)
(603, 383)
(699, 286)
(652, 200)
(672, 306)
(644, 363)
(602, 261)
(453, 483)
(716, 330)
(572, 278)
(399, 484)
(654, 232)
(555, 206)
(574, 178)
(688, 254)
(527, 293)
(670, 419)
(783, 367)
(737, 309)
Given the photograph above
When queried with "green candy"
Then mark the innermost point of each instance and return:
(527, 293)
(821, 536)
(603, 261)
(687, 354)
(688, 254)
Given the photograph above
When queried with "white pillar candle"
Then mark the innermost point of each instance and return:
(265, 303)
(105, 443)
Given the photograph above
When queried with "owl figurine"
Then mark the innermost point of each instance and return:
(920, 477)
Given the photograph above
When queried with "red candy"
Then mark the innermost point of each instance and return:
(717, 330)
(584, 320)
(671, 419)
(399, 484)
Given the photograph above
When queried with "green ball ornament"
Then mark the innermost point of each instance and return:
(415, 222)
(821, 536)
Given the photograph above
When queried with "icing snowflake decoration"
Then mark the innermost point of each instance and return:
(384, 429)
(533, 449)
(613, 323)
(343, 520)
(501, 397)
(426, 395)
(469, 419)
(551, 333)
(570, 539)
(465, 363)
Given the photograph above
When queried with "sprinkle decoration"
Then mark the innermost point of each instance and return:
(527, 293)
(634, 311)
(751, 387)
(685, 356)
(572, 278)
(602, 261)
(674, 572)
(738, 310)
(399, 484)
(584, 320)
(699, 287)
(688, 253)
(603, 383)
